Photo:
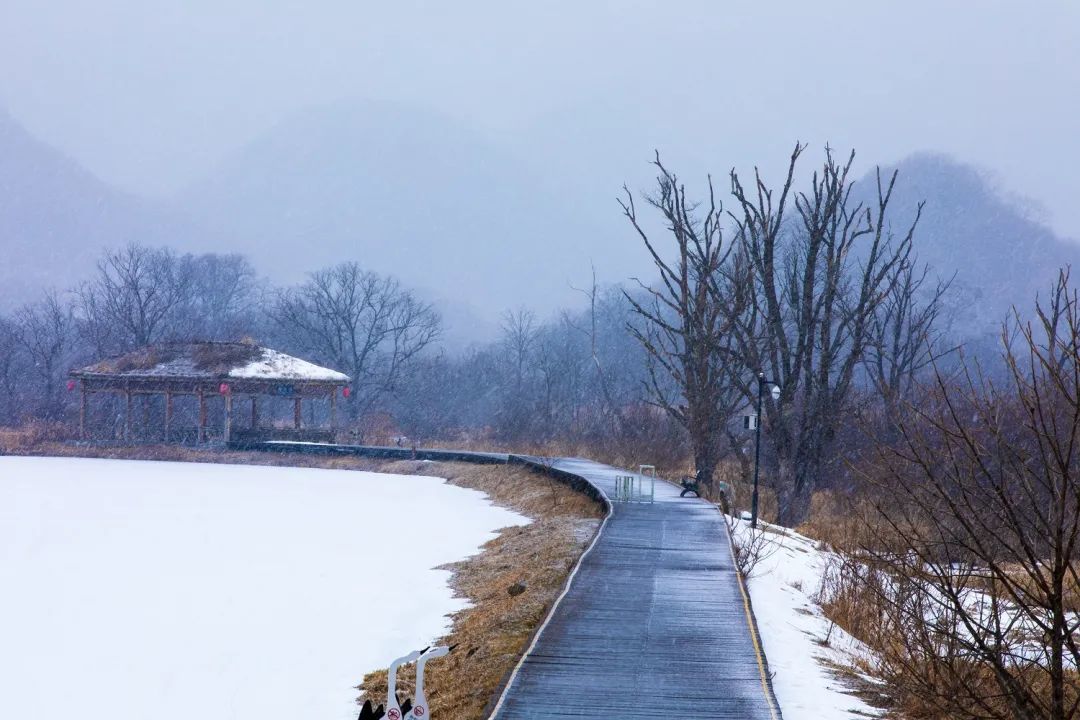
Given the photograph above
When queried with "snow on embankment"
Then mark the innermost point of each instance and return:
(134, 590)
(794, 630)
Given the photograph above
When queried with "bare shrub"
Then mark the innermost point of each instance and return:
(842, 521)
(751, 546)
(975, 553)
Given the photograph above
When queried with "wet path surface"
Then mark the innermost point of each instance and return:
(653, 625)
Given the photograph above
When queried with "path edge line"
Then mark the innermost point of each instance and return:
(755, 634)
(554, 606)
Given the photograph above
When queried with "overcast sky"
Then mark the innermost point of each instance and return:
(150, 95)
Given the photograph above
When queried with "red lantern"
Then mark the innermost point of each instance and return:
(346, 391)
(224, 388)
(70, 385)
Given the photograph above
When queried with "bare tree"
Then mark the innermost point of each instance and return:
(519, 335)
(982, 501)
(683, 325)
(518, 344)
(812, 287)
(133, 299)
(363, 323)
(46, 332)
(609, 407)
(561, 363)
(10, 370)
(904, 335)
(221, 302)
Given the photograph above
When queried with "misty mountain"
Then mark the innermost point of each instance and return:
(468, 225)
(56, 217)
(409, 193)
(1000, 255)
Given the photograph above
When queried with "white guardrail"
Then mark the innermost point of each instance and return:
(639, 488)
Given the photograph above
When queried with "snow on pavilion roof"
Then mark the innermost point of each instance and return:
(211, 361)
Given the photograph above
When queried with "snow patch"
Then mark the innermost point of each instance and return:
(274, 364)
(793, 628)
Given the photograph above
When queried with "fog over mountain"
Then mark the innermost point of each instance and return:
(997, 254)
(56, 217)
(473, 228)
(476, 149)
(410, 193)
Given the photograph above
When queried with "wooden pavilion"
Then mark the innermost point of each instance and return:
(207, 370)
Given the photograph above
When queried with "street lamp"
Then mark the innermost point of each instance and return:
(762, 382)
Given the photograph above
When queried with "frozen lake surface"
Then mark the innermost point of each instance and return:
(135, 590)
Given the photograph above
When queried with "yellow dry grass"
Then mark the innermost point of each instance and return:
(493, 633)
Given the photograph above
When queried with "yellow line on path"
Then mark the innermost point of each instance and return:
(755, 639)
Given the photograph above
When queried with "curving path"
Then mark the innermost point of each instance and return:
(653, 625)
(654, 622)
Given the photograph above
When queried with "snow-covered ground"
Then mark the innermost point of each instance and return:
(134, 590)
(793, 629)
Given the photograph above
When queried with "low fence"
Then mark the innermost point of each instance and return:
(263, 434)
(548, 468)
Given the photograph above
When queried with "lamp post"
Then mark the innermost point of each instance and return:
(762, 382)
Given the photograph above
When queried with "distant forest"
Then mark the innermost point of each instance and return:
(817, 288)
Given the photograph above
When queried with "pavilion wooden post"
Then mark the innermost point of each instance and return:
(127, 415)
(202, 416)
(297, 409)
(168, 414)
(228, 417)
(333, 408)
(82, 410)
(254, 412)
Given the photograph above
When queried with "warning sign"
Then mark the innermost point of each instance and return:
(418, 711)
(394, 714)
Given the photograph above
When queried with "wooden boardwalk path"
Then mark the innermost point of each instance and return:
(653, 624)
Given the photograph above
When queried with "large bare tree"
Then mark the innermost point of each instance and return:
(682, 323)
(365, 324)
(816, 270)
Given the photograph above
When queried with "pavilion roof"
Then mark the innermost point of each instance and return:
(210, 361)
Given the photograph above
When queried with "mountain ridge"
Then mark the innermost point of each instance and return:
(467, 224)
(56, 217)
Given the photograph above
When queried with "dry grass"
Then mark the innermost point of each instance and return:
(213, 358)
(841, 521)
(31, 437)
(493, 632)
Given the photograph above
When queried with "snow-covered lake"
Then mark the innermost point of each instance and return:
(133, 590)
